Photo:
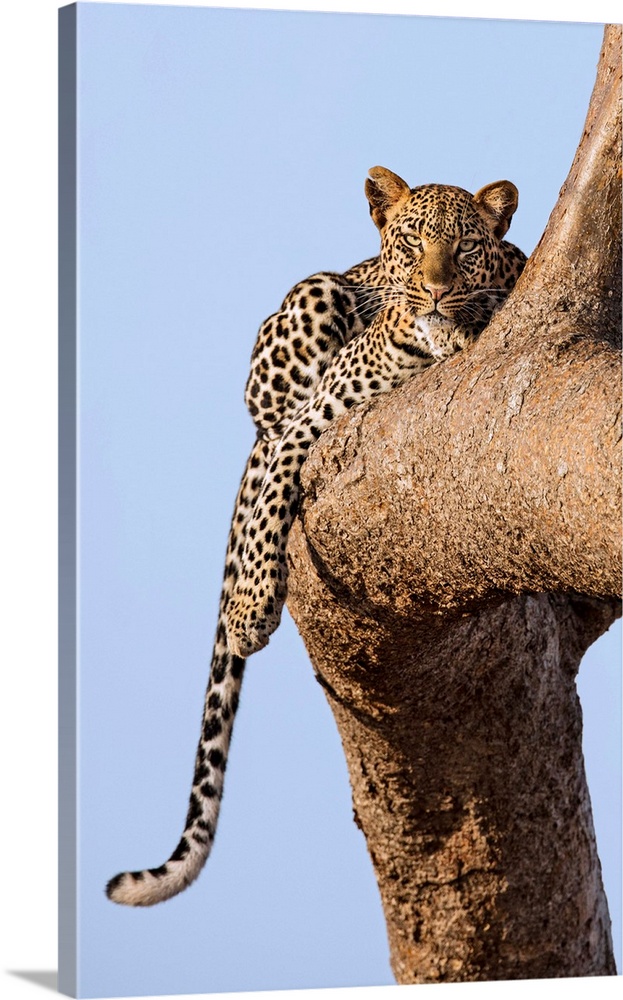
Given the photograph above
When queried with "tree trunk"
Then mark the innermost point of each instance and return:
(457, 551)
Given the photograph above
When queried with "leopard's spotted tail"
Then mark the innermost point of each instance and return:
(153, 885)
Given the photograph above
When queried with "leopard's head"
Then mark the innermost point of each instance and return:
(440, 245)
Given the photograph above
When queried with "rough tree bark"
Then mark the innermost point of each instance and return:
(458, 550)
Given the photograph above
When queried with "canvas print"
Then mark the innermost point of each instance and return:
(370, 264)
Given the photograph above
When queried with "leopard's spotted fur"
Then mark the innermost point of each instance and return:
(336, 341)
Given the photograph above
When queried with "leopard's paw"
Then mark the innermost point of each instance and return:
(251, 622)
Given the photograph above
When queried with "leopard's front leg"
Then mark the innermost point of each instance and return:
(254, 610)
(380, 359)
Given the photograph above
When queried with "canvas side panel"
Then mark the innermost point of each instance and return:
(67, 979)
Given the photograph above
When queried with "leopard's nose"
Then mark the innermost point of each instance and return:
(437, 292)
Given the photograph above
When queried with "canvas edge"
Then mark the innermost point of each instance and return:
(67, 510)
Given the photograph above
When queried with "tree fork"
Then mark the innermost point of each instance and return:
(458, 550)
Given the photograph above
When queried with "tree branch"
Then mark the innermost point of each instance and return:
(458, 549)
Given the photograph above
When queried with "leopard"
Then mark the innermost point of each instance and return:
(338, 340)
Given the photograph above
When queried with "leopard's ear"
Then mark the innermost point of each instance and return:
(498, 203)
(386, 192)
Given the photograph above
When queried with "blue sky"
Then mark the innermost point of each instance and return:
(222, 156)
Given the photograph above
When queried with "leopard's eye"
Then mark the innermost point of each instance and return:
(413, 241)
(467, 246)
